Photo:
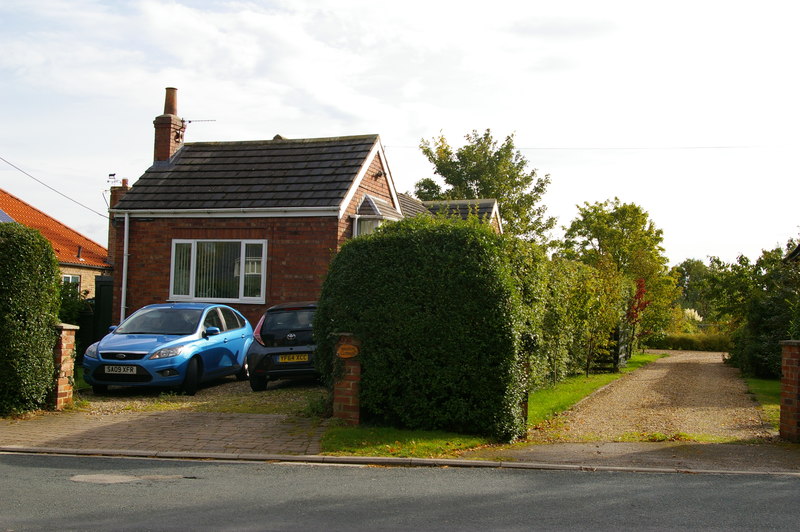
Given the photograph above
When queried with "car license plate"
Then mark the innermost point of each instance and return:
(124, 370)
(293, 358)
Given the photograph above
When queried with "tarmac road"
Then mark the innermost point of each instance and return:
(40, 492)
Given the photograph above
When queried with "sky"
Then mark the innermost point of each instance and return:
(689, 109)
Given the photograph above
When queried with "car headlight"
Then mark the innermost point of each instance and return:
(168, 352)
(91, 351)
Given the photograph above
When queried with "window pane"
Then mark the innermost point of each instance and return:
(217, 269)
(182, 264)
(252, 270)
(367, 226)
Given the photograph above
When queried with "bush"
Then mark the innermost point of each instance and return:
(769, 310)
(29, 301)
(438, 313)
(691, 342)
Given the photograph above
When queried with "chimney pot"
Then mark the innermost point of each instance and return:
(169, 128)
(171, 101)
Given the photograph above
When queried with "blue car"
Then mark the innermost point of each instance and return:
(177, 345)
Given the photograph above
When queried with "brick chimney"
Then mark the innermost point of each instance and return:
(169, 128)
(116, 195)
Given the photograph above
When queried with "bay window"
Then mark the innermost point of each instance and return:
(218, 270)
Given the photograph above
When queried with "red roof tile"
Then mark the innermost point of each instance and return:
(65, 241)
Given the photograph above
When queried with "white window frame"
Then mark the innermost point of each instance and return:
(71, 278)
(240, 275)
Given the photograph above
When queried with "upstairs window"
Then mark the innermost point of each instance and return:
(230, 271)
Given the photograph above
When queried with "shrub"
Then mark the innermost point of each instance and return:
(438, 313)
(29, 301)
(691, 342)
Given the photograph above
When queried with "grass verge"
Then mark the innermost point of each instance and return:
(768, 393)
(384, 441)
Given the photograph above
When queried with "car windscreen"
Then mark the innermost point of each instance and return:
(170, 321)
(290, 319)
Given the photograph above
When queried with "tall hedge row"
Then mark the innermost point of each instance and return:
(439, 314)
(29, 301)
(458, 324)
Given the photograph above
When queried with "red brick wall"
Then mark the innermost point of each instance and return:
(372, 184)
(64, 359)
(790, 391)
(298, 253)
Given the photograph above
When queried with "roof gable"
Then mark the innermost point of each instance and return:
(269, 174)
(69, 246)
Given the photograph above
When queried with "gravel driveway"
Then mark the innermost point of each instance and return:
(687, 393)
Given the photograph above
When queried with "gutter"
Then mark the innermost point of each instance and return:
(229, 213)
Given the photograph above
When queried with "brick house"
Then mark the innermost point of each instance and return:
(80, 259)
(251, 224)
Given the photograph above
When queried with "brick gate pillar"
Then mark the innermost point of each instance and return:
(64, 359)
(790, 390)
(346, 405)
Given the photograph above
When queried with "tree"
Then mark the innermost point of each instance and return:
(620, 237)
(692, 277)
(761, 302)
(485, 169)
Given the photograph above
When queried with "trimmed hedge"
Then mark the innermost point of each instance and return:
(691, 342)
(29, 301)
(439, 315)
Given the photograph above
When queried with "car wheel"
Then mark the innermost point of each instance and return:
(258, 383)
(99, 389)
(192, 379)
(243, 373)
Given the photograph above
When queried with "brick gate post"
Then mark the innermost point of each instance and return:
(346, 404)
(790, 390)
(64, 359)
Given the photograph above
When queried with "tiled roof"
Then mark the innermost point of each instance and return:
(372, 206)
(65, 241)
(278, 173)
(481, 207)
(411, 206)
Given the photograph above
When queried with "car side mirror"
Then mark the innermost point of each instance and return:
(112, 328)
(211, 331)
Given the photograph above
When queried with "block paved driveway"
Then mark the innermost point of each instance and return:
(170, 431)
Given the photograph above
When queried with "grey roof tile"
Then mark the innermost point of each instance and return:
(252, 174)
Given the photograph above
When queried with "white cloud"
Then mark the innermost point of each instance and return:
(86, 79)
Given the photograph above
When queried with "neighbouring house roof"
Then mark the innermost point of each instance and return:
(267, 174)
(481, 207)
(69, 246)
(379, 208)
(411, 206)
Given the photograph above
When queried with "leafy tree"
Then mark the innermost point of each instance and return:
(693, 280)
(761, 300)
(485, 169)
(620, 238)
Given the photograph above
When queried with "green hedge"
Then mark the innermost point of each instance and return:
(691, 342)
(439, 314)
(29, 301)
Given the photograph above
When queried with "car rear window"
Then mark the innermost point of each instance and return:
(289, 319)
(170, 321)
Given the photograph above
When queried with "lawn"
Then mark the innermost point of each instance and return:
(768, 393)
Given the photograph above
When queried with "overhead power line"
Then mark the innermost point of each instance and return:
(51, 188)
